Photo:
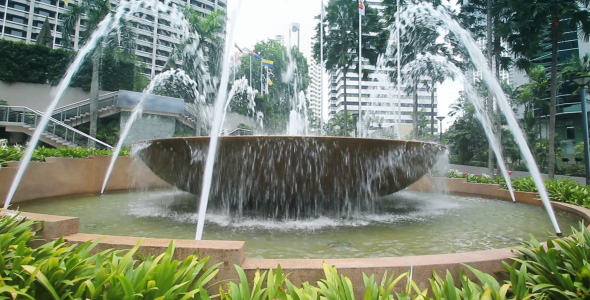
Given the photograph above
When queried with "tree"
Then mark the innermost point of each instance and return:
(288, 68)
(336, 125)
(420, 58)
(200, 54)
(533, 97)
(528, 25)
(341, 40)
(466, 138)
(118, 43)
(428, 70)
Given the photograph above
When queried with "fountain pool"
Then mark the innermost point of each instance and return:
(408, 223)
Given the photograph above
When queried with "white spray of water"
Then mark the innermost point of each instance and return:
(239, 87)
(136, 114)
(430, 15)
(216, 128)
(441, 63)
(103, 28)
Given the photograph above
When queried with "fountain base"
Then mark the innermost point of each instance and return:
(291, 177)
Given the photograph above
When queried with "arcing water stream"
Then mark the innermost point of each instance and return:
(429, 15)
(110, 22)
(216, 128)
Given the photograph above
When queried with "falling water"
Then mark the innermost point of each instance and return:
(240, 87)
(430, 15)
(297, 124)
(216, 128)
(136, 114)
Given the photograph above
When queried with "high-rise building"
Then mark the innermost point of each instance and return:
(22, 20)
(379, 101)
(568, 122)
(314, 90)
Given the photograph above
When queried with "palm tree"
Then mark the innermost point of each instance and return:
(119, 42)
(341, 40)
(206, 35)
(527, 27)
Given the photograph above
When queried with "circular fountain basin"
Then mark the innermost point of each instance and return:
(288, 177)
(409, 223)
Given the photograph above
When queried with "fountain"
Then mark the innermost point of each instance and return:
(293, 179)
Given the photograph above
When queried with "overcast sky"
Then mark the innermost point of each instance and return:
(259, 20)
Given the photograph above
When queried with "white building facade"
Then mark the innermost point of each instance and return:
(382, 112)
(21, 20)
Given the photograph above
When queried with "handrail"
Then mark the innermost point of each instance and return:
(83, 106)
(82, 102)
(22, 115)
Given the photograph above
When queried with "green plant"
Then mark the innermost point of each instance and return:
(561, 269)
(14, 153)
(274, 289)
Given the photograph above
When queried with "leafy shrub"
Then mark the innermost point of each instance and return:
(56, 270)
(14, 153)
(559, 271)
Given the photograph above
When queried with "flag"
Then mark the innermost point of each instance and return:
(361, 8)
(268, 63)
(255, 55)
(270, 82)
(66, 2)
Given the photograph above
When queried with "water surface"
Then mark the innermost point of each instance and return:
(409, 223)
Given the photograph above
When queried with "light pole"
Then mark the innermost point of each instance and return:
(583, 82)
(295, 28)
(440, 119)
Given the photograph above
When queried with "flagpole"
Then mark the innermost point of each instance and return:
(399, 75)
(321, 70)
(250, 55)
(360, 122)
(261, 75)
(4, 20)
(56, 20)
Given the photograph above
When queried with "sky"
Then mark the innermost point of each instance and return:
(259, 20)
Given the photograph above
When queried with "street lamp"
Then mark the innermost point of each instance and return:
(583, 81)
(295, 28)
(440, 118)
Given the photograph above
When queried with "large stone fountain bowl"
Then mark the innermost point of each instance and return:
(291, 177)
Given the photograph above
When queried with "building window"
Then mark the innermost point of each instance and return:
(18, 19)
(16, 32)
(18, 6)
(45, 13)
(47, 2)
(570, 133)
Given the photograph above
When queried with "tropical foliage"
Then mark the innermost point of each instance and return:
(340, 43)
(14, 153)
(57, 270)
(118, 44)
(32, 63)
(276, 93)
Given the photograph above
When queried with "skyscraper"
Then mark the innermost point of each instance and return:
(22, 20)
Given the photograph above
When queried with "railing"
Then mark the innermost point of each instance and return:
(190, 110)
(83, 107)
(20, 115)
